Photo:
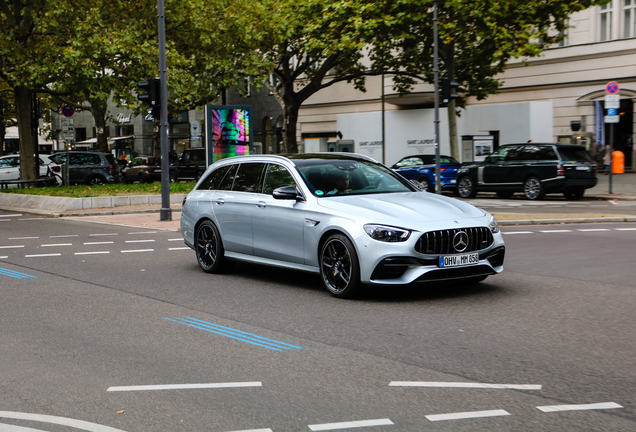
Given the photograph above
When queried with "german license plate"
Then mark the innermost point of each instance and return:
(459, 260)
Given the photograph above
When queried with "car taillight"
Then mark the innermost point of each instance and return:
(442, 169)
(184, 200)
(56, 169)
(560, 170)
(111, 168)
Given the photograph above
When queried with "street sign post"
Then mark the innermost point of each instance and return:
(612, 104)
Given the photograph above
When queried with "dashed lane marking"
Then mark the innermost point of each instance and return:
(184, 386)
(555, 231)
(179, 248)
(66, 235)
(43, 255)
(98, 243)
(11, 247)
(10, 215)
(57, 244)
(350, 424)
(255, 430)
(465, 385)
(583, 407)
(467, 415)
(137, 250)
(92, 253)
(140, 241)
(517, 232)
(105, 234)
(23, 238)
(143, 232)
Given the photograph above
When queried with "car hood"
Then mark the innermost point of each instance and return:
(411, 207)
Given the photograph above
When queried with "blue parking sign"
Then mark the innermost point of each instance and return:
(612, 112)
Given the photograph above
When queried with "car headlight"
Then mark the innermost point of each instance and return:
(494, 227)
(387, 233)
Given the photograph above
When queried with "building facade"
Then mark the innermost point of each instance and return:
(559, 96)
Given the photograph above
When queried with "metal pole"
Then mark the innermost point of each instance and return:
(165, 212)
(438, 186)
(383, 130)
(611, 150)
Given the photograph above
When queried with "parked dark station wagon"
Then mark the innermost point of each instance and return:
(534, 169)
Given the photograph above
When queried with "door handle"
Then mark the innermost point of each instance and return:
(220, 201)
(261, 204)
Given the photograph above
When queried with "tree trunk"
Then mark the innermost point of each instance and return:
(290, 142)
(27, 146)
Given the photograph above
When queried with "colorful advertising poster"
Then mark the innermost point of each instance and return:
(229, 131)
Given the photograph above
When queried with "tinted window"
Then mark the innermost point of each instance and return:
(574, 154)
(514, 154)
(5, 163)
(447, 160)
(58, 158)
(212, 181)
(275, 177)
(500, 154)
(248, 177)
(409, 162)
(228, 180)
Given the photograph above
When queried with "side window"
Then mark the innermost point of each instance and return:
(248, 177)
(185, 157)
(547, 153)
(5, 163)
(212, 181)
(500, 154)
(76, 159)
(228, 180)
(93, 160)
(409, 162)
(275, 177)
(513, 154)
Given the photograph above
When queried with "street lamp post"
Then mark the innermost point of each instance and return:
(438, 186)
(165, 212)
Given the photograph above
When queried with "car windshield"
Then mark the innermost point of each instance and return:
(332, 177)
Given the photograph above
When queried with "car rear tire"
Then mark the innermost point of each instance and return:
(466, 187)
(425, 183)
(533, 189)
(141, 178)
(505, 194)
(96, 181)
(339, 267)
(574, 194)
(209, 248)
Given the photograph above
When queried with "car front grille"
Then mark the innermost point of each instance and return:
(443, 242)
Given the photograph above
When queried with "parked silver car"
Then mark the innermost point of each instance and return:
(344, 216)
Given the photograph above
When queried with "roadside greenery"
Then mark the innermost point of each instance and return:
(117, 189)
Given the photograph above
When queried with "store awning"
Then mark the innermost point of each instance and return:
(121, 138)
(88, 141)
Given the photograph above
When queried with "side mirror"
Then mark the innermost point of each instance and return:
(286, 193)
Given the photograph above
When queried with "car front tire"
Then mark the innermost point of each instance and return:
(339, 267)
(96, 181)
(425, 183)
(466, 187)
(209, 249)
(533, 189)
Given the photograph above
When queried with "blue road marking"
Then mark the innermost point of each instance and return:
(235, 334)
(15, 274)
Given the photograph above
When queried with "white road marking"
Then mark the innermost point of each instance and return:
(107, 234)
(593, 229)
(11, 247)
(255, 430)
(92, 253)
(350, 424)
(43, 255)
(5, 220)
(67, 235)
(139, 241)
(77, 424)
(464, 385)
(10, 215)
(99, 243)
(555, 231)
(11, 428)
(4, 257)
(467, 415)
(517, 232)
(625, 229)
(596, 406)
(57, 244)
(177, 239)
(184, 386)
(138, 250)
(145, 232)
(25, 219)
(23, 238)
(179, 248)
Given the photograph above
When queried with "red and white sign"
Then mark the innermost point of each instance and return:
(68, 111)
(612, 87)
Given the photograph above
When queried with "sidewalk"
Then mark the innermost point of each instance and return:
(147, 215)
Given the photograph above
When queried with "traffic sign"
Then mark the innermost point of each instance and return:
(612, 101)
(68, 111)
(612, 87)
(612, 119)
(612, 112)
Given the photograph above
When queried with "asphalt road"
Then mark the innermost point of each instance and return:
(91, 312)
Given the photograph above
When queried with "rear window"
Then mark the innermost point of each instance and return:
(574, 154)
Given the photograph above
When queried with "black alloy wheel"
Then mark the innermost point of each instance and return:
(209, 248)
(96, 181)
(425, 183)
(339, 267)
(466, 187)
(533, 189)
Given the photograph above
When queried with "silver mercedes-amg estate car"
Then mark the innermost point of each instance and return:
(344, 216)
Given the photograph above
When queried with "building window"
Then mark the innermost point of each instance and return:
(629, 21)
(564, 42)
(80, 134)
(606, 22)
(126, 130)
